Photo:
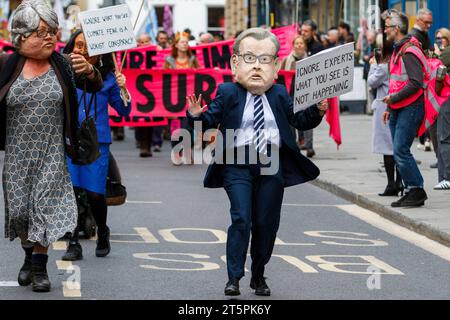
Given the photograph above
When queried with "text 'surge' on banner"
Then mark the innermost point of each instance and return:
(108, 30)
(326, 74)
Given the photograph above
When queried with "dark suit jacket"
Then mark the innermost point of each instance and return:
(226, 111)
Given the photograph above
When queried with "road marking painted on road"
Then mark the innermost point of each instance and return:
(144, 202)
(71, 289)
(280, 242)
(398, 231)
(60, 245)
(63, 265)
(146, 235)
(9, 284)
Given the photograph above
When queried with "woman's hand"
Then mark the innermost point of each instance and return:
(121, 80)
(194, 105)
(80, 64)
(372, 60)
(437, 50)
(386, 116)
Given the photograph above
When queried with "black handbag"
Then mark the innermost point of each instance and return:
(88, 146)
(116, 193)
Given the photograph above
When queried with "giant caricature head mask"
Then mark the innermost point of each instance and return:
(254, 62)
(33, 29)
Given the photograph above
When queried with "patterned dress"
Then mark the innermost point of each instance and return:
(39, 199)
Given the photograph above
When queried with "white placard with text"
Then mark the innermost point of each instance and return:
(326, 74)
(108, 30)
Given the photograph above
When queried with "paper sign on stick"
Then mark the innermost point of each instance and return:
(108, 30)
(324, 75)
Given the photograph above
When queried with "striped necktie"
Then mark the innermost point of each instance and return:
(259, 138)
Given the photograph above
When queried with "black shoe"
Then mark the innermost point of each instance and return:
(260, 286)
(415, 198)
(74, 252)
(310, 153)
(390, 191)
(24, 278)
(145, 154)
(40, 281)
(103, 245)
(232, 288)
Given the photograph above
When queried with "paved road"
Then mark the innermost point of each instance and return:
(168, 242)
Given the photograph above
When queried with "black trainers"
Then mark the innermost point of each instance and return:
(74, 252)
(260, 286)
(414, 198)
(103, 245)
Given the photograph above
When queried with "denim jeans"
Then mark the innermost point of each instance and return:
(404, 124)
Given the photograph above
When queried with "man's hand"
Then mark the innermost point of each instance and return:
(322, 106)
(80, 65)
(194, 107)
(386, 116)
(387, 100)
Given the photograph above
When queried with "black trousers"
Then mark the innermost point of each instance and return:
(255, 206)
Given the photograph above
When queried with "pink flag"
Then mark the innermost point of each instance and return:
(167, 20)
(285, 36)
(332, 117)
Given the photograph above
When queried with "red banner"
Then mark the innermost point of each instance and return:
(211, 55)
(285, 36)
(162, 93)
(6, 46)
(116, 120)
(9, 48)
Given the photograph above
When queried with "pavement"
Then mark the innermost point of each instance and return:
(354, 173)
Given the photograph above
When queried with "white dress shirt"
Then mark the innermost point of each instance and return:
(245, 134)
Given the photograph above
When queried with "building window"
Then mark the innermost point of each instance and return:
(216, 20)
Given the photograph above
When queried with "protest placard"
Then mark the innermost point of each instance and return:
(325, 75)
(108, 30)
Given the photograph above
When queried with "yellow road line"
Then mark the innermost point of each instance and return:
(59, 245)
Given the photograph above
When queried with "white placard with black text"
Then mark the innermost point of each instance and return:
(108, 30)
(326, 74)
